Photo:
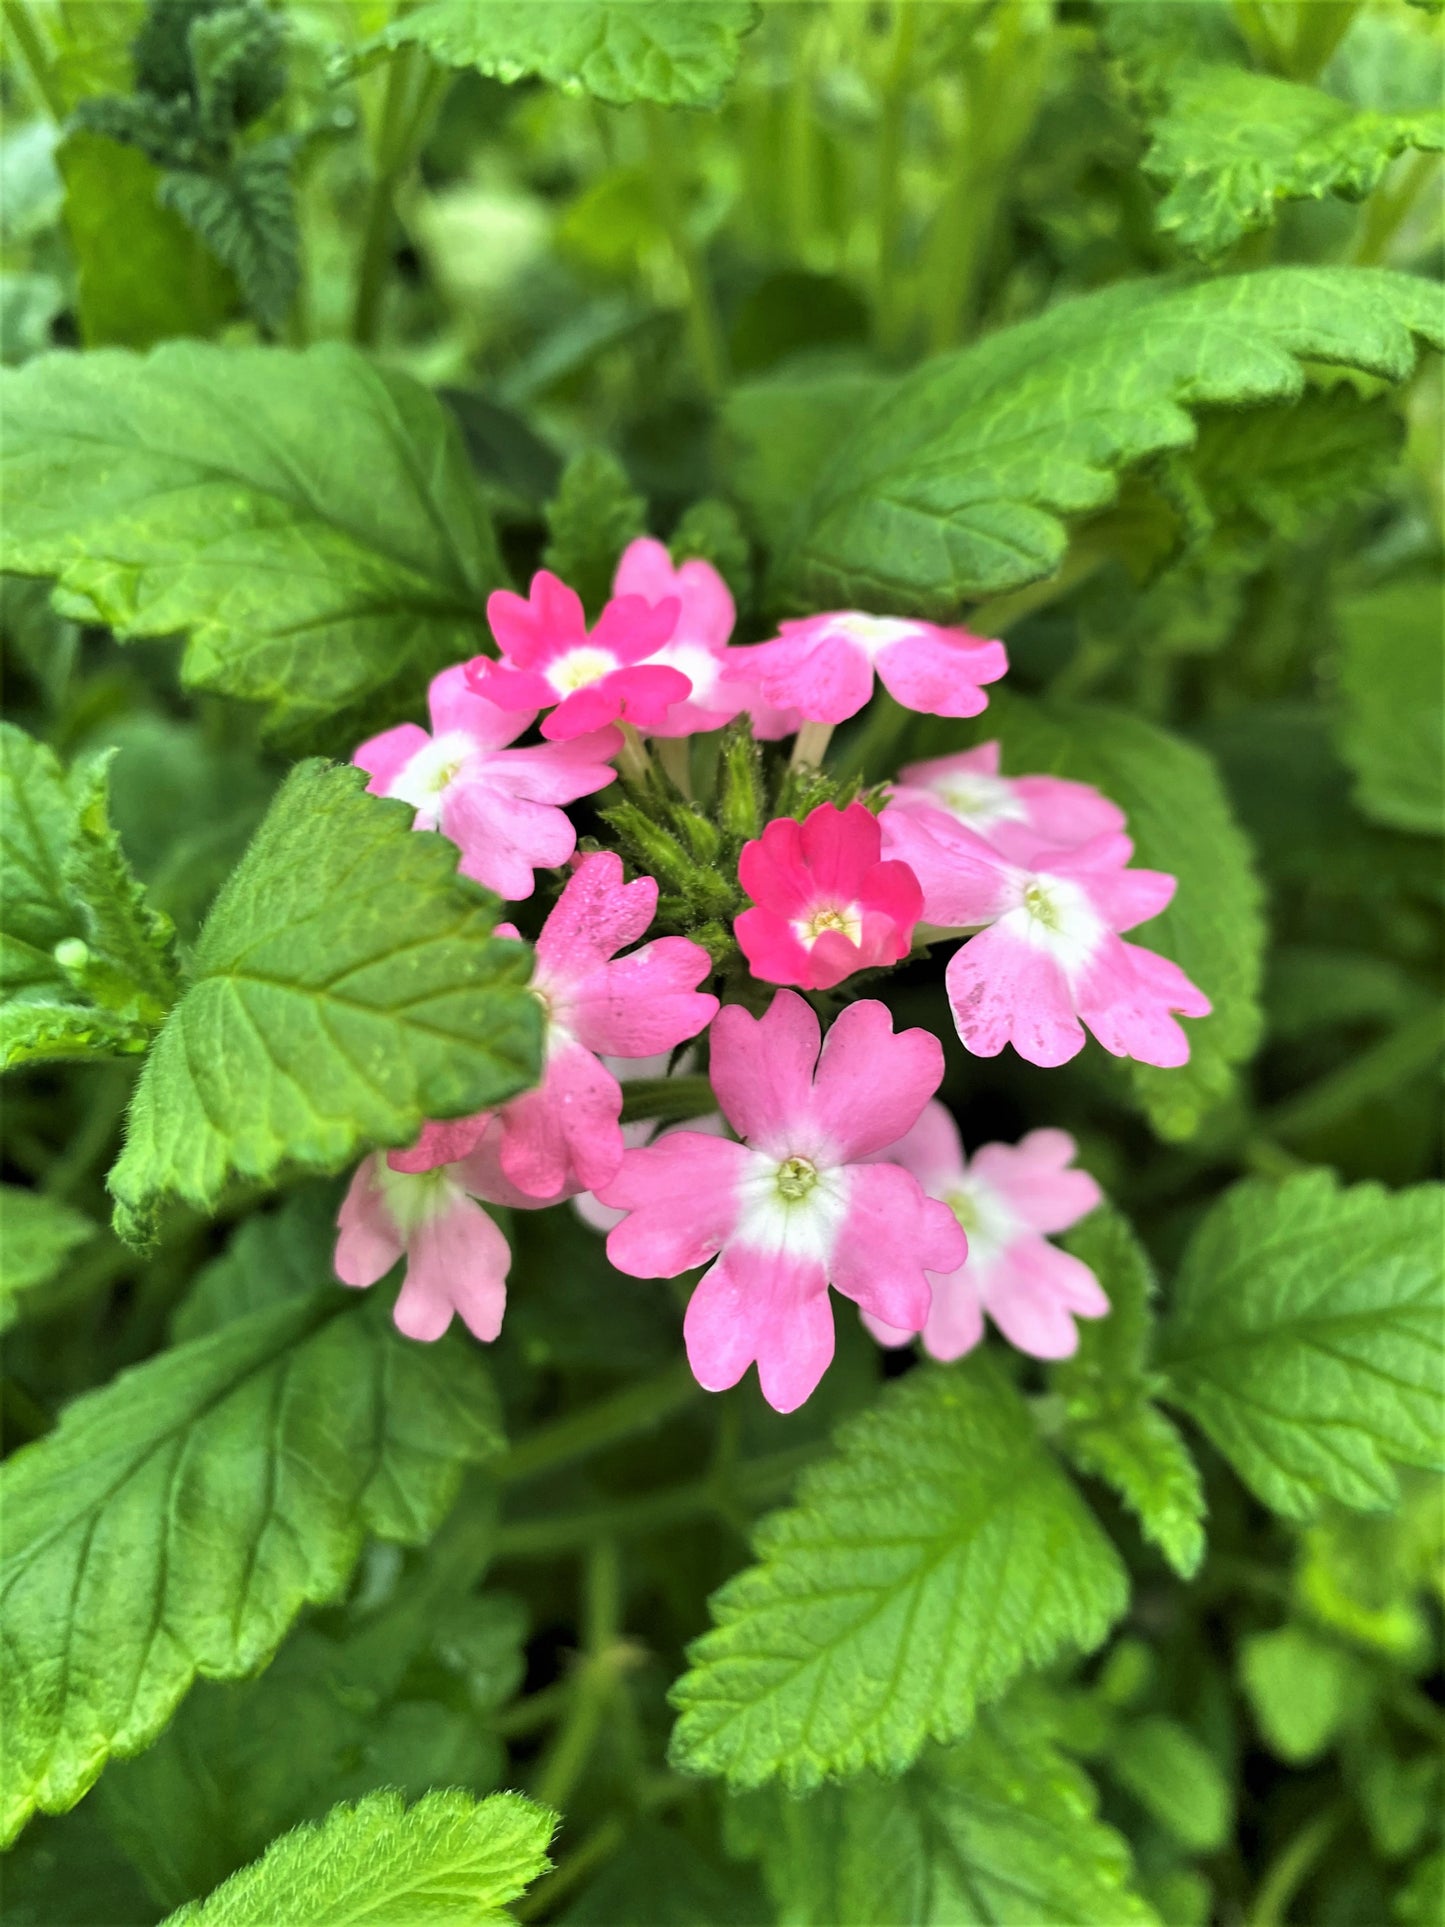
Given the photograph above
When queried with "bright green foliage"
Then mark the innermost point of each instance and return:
(36, 825)
(1174, 1777)
(998, 1829)
(1300, 1689)
(274, 1256)
(346, 989)
(1306, 1337)
(1391, 724)
(308, 520)
(38, 1235)
(679, 53)
(958, 482)
(178, 1519)
(1230, 146)
(1181, 822)
(590, 521)
(449, 1861)
(936, 1554)
(1112, 1427)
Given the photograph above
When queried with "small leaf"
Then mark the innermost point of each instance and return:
(590, 521)
(1392, 702)
(132, 968)
(36, 823)
(933, 1557)
(450, 1860)
(246, 215)
(1174, 1777)
(1300, 1688)
(679, 53)
(1306, 1337)
(40, 1235)
(347, 988)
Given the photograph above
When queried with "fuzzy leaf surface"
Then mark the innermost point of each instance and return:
(347, 987)
(176, 1520)
(937, 1553)
(959, 481)
(678, 53)
(1113, 1429)
(1307, 1338)
(309, 521)
(450, 1861)
(998, 1831)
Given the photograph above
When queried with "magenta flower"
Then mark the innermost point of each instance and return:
(1049, 959)
(1008, 1198)
(498, 805)
(697, 647)
(565, 1136)
(824, 903)
(593, 679)
(795, 1207)
(823, 666)
(1017, 814)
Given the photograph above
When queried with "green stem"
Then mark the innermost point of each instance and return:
(38, 61)
(636, 1408)
(669, 1099)
(810, 745)
(413, 88)
(1291, 1868)
(536, 1710)
(703, 325)
(1386, 212)
(1373, 1073)
(886, 307)
(595, 1682)
(1319, 28)
(632, 759)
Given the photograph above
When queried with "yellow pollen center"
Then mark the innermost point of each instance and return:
(962, 1207)
(1041, 906)
(796, 1178)
(847, 921)
(580, 667)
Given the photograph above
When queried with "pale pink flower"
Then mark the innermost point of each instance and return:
(794, 1208)
(697, 647)
(594, 679)
(1049, 959)
(823, 666)
(602, 1217)
(498, 805)
(824, 902)
(1008, 1198)
(1017, 814)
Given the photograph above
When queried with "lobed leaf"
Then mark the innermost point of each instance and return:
(934, 1556)
(1306, 1337)
(347, 988)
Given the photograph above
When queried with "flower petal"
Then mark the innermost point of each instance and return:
(645, 1002)
(457, 1262)
(762, 1069)
(566, 1133)
(871, 1084)
(938, 671)
(764, 1306)
(890, 1239)
(369, 1243)
(1005, 990)
(681, 1194)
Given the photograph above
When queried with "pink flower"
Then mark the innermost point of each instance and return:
(457, 1259)
(825, 904)
(564, 1136)
(1017, 814)
(498, 805)
(795, 1207)
(1007, 1198)
(697, 647)
(1050, 958)
(602, 1217)
(823, 665)
(595, 679)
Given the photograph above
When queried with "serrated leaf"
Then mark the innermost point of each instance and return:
(449, 1860)
(308, 520)
(1391, 722)
(1306, 1337)
(246, 215)
(34, 1030)
(1231, 146)
(38, 1234)
(36, 822)
(177, 1520)
(936, 1554)
(132, 968)
(590, 521)
(959, 480)
(1112, 1428)
(679, 53)
(346, 988)
(998, 1831)
(1181, 822)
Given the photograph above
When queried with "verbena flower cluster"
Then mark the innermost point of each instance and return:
(825, 1160)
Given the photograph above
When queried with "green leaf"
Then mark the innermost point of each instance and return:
(1231, 146)
(309, 521)
(34, 1030)
(711, 531)
(36, 823)
(958, 482)
(1392, 702)
(663, 1878)
(933, 1557)
(450, 1860)
(1421, 1899)
(40, 1234)
(679, 53)
(1174, 1777)
(177, 1520)
(132, 968)
(346, 989)
(1300, 1689)
(777, 433)
(1000, 1829)
(590, 521)
(246, 215)
(274, 1257)
(1306, 1338)
(1181, 822)
(1112, 1427)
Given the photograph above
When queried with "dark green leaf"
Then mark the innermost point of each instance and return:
(590, 521)
(40, 1234)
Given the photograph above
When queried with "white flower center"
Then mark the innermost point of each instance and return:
(412, 1197)
(579, 668)
(980, 799)
(845, 918)
(991, 1226)
(872, 632)
(693, 660)
(423, 779)
(1055, 915)
(792, 1204)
